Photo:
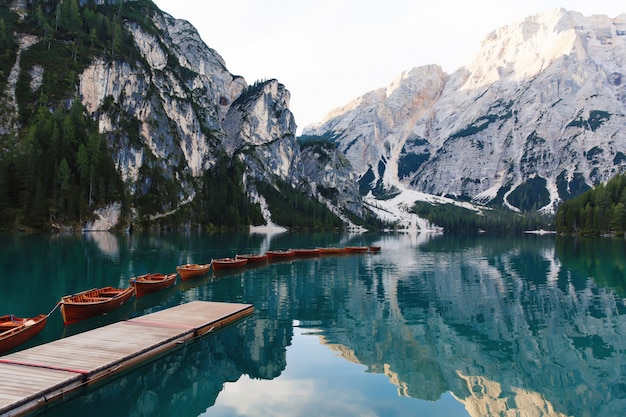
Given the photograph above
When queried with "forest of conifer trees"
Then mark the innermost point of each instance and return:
(56, 167)
(599, 211)
(60, 172)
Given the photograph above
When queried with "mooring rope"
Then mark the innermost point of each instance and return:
(55, 307)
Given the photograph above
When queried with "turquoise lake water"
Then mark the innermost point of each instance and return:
(434, 325)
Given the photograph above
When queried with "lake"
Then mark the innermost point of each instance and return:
(434, 325)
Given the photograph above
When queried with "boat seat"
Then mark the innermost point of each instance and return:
(109, 293)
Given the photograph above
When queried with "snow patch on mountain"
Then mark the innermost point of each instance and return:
(398, 209)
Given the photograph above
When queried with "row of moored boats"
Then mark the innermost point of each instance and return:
(83, 305)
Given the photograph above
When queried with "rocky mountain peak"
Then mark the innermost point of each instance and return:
(156, 106)
(536, 116)
(522, 50)
(375, 126)
(261, 128)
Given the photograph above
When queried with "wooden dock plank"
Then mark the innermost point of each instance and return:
(33, 381)
(18, 385)
(194, 316)
(32, 377)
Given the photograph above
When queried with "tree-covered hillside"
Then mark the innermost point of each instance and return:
(56, 165)
(497, 221)
(58, 173)
(599, 211)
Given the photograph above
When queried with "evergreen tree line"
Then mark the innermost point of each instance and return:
(56, 167)
(599, 211)
(89, 27)
(60, 172)
(494, 221)
(294, 209)
(223, 202)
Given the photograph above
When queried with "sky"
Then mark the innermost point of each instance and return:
(329, 52)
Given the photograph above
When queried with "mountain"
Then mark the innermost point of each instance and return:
(118, 109)
(536, 117)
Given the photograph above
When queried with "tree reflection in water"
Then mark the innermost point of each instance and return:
(533, 325)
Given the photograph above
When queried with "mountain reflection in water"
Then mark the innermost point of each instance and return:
(531, 326)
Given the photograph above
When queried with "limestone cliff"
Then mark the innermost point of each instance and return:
(165, 103)
(535, 117)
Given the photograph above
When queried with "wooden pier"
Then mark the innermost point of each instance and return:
(32, 378)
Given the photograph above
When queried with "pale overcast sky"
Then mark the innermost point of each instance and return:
(328, 52)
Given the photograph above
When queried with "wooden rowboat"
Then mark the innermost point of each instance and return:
(228, 263)
(276, 255)
(306, 253)
(374, 249)
(255, 258)
(192, 270)
(148, 283)
(331, 251)
(16, 330)
(93, 302)
(356, 249)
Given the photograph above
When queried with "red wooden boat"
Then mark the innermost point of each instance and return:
(192, 270)
(93, 302)
(356, 249)
(374, 249)
(280, 254)
(306, 253)
(16, 330)
(253, 258)
(148, 283)
(228, 263)
(331, 251)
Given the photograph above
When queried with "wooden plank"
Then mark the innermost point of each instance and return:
(175, 316)
(33, 377)
(23, 391)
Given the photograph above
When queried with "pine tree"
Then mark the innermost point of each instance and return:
(618, 217)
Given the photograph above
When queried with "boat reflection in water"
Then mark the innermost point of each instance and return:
(434, 325)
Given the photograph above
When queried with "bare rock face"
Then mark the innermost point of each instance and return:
(332, 177)
(373, 129)
(169, 111)
(175, 98)
(260, 120)
(186, 110)
(535, 117)
(260, 130)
